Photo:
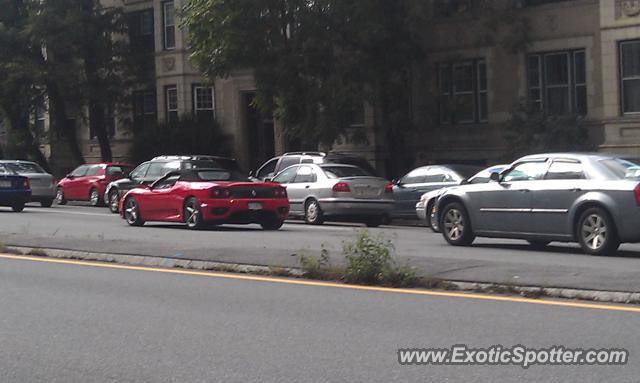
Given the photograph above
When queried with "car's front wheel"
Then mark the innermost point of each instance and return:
(456, 225)
(94, 197)
(114, 200)
(132, 212)
(60, 199)
(596, 232)
(433, 219)
(192, 214)
(313, 213)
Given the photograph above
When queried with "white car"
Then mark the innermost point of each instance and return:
(425, 206)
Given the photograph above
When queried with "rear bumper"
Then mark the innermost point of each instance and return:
(237, 210)
(360, 207)
(43, 193)
(10, 197)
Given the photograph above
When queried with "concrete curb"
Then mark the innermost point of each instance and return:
(164, 262)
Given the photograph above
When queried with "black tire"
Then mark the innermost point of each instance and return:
(132, 212)
(433, 223)
(596, 232)
(456, 225)
(538, 244)
(60, 199)
(114, 199)
(374, 222)
(313, 213)
(17, 207)
(271, 223)
(46, 203)
(94, 198)
(192, 214)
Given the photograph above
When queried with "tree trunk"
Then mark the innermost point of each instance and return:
(26, 145)
(61, 121)
(96, 105)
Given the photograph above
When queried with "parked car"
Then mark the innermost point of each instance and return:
(88, 182)
(150, 171)
(425, 206)
(275, 165)
(408, 190)
(199, 196)
(43, 185)
(584, 198)
(336, 191)
(15, 190)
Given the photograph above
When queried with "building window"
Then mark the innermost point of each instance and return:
(144, 109)
(463, 93)
(168, 25)
(203, 103)
(140, 26)
(171, 102)
(557, 82)
(630, 76)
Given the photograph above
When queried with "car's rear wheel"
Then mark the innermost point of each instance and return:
(60, 199)
(456, 225)
(374, 222)
(114, 199)
(538, 244)
(313, 213)
(597, 233)
(17, 207)
(271, 223)
(192, 214)
(94, 197)
(132, 212)
(46, 203)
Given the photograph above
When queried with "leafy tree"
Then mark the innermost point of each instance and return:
(314, 61)
(530, 131)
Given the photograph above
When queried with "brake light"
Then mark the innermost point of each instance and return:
(637, 193)
(280, 193)
(26, 184)
(388, 188)
(219, 192)
(341, 187)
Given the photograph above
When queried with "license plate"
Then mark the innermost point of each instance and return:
(255, 206)
(5, 184)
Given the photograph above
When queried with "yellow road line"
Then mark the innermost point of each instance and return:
(289, 281)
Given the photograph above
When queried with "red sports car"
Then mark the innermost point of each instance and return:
(200, 196)
(88, 182)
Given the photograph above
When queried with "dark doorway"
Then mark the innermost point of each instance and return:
(260, 133)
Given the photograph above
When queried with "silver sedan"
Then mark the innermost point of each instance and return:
(340, 192)
(592, 199)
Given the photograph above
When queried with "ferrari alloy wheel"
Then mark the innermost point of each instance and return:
(596, 232)
(114, 200)
(132, 212)
(313, 213)
(192, 214)
(456, 226)
(60, 200)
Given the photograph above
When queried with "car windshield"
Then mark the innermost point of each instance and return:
(343, 171)
(621, 168)
(25, 168)
(215, 175)
(466, 171)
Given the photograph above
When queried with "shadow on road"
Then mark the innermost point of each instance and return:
(552, 249)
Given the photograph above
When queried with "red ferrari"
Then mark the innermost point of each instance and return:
(200, 196)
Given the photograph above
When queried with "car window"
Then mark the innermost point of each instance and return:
(565, 170)
(25, 168)
(287, 161)
(305, 175)
(287, 175)
(80, 171)
(526, 171)
(140, 171)
(416, 176)
(5, 170)
(167, 182)
(93, 170)
(619, 167)
(267, 168)
(196, 164)
(157, 170)
(435, 175)
(343, 171)
(116, 171)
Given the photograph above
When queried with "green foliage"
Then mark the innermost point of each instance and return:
(314, 62)
(185, 136)
(369, 262)
(531, 131)
(315, 268)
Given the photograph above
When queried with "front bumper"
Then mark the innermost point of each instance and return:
(359, 207)
(238, 211)
(421, 211)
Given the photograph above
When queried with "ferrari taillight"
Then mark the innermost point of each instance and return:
(341, 187)
(219, 192)
(637, 193)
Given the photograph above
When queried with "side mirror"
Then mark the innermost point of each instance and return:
(464, 182)
(495, 177)
(70, 176)
(250, 173)
(268, 179)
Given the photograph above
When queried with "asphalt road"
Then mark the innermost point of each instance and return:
(80, 227)
(73, 323)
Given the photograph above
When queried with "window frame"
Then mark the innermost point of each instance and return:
(448, 92)
(165, 26)
(622, 79)
(171, 114)
(194, 95)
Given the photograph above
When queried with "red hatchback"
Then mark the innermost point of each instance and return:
(88, 182)
(200, 196)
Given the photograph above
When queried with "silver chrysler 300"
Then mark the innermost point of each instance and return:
(592, 199)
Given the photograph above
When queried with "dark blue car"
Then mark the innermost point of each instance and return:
(15, 190)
